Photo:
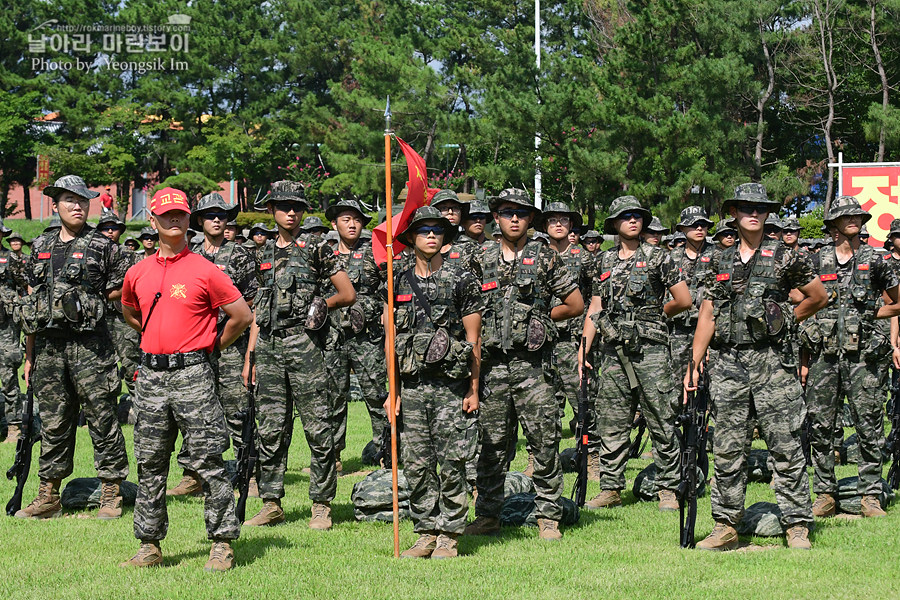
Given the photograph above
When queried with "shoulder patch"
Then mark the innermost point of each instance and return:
(527, 261)
(767, 252)
(723, 276)
(490, 285)
(604, 276)
(863, 267)
(828, 277)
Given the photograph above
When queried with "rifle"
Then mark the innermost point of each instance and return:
(893, 439)
(247, 454)
(383, 456)
(22, 463)
(806, 434)
(690, 429)
(581, 438)
(637, 446)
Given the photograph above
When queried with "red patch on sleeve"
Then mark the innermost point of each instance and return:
(767, 252)
(43, 255)
(404, 297)
(265, 266)
(491, 285)
(604, 276)
(704, 259)
(723, 276)
(357, 255)
(527, 261)
(78, 255)
(454, 255)
(828, 277)
(864, 267)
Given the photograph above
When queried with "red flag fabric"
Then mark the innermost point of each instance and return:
(418, 195)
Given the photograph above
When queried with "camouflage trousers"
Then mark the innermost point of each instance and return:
(78, 373)
(166, 402)
(127, 344)
(291, 377)
(10, 361)
(681, 342)
(616, 404)
(437, 433)
(865, 385)
(565, 354)
(519, 386)
(227, 366)
(744, 381)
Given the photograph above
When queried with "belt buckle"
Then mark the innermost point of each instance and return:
(162, 362)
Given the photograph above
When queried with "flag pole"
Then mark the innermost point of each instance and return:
(391, 350)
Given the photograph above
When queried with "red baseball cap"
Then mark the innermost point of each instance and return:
(168, 199)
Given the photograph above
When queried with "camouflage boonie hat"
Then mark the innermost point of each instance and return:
(111, 219)
(442, 196)
(15, 236)
(678, 237)
(148, 232)
(428, 213)
(261, 227)
(516, 196)
(214, 201)
(332, 212)
(311, 224)
(132, 243)
(540, 236)
(656, 226)
(288, 191)
(559, 208)
(692, 215)
(591, 235)
(725, 226)
(773, 222)
(69, 183)
(624, 204)
(480, 207)
(232, 223)
(791, 224)
(331, 236)
(750, 192)
(846, 206)
(895, 228)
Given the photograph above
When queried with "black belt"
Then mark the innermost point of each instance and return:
(166, 362)
(287, 331)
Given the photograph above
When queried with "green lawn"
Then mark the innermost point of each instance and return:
(33, 228)
(630, 552)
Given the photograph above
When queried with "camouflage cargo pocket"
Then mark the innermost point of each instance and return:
(463, 442)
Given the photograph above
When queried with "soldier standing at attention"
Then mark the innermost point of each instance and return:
(629, 285)
(231, 230)
(773, 227)
(592, 242)
(15, 241)
(148, 240)
(846, 354)
(438, 309)
(791, 233)
(725, 235)
(520, 279)
(259, 234)
(12, 285)
(463, 251)
(475, 221)
(362, 349)
(174, 299)
(693, 262)
(239, 265)
(73, 272)
(654, 232)
(748, 316)
(290, 365)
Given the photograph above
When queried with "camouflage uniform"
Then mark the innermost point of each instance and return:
(125, 339)
(12, 285)
(75, 363)
(849, 352)
(755, 371)
(437, 432)
(291, 368)
(520, 381)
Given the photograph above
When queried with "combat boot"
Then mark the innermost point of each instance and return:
(423, 548)
(148, 555)
(321, 516)
(221, 557)
(270, 514)
(548, 530)
(870, 506)
(446, 547)
(798, 538)
(46, 505)
(722, 537)
(605, 499)
(110, 501)
(594, 466)
(529, 470)
(483, 526)
(824, 506)
(189, 485)
(668, 501)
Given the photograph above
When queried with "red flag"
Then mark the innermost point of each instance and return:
(418, 195)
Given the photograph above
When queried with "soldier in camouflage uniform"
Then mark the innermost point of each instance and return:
(148, 239)
(693, 261)
(725, 235)
(125, 339)
(475, 222)
(790, 227)
(773, 227)
(654, 232)
(11, 287)
(16, 242)
(176, 387)
(234, 260)
(438, 339)
(847, 352)
(592, 242)
(627, 306)
(69, 357)
(290, 366)
(314, 226)
(231, 230)
(463, 251)
(747, 314)
(259, 234)
(520, 279)
(362, 347)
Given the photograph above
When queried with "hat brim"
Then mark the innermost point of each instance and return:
(609, 224)
(577, 220)
(693, 223)
(450, 230)
(195, 216)
(264, 202)
(496, 202)
(866, 217)
(332, 212)
(53, 192)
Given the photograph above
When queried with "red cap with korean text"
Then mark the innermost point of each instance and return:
(168, 199)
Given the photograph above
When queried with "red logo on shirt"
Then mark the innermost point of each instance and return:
(828, 277)
(527, 261)
(78, 255)
(265, 266)
(490, 285)
(179, 290)
(640, 265)
(723, 276)
(704, 259)
(43, 255)
(454, 255)
(864, 267)
(767, 252)
(604, 276)
(404, 297)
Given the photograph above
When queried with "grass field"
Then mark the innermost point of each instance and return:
(31, 229)
(630, 552)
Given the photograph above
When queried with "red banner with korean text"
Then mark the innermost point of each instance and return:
(877, 187)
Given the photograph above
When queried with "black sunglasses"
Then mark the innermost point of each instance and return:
(222, 216)
(477, 217)
(426, 229)
(509, 213)
(749, 208)
(288, 206)
(631, 215)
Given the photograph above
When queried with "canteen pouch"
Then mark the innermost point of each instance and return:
(33, 311)
(851, 333)
(357, 318)
(878, 344)
(456, 363)
(608, 332)
(536, 335)
(316, 314)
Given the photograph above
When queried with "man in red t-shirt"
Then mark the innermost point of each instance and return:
(106, 201)
(173, 298)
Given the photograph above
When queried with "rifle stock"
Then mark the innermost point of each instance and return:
(247, 454)
(691, 429)
(22, 463)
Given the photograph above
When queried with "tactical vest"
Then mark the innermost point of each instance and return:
(574, 259)
(9, 294)
(355, 268)
(704, 258)
(66, 302)
(509, 311)
(416, 331)
(458, 250)
(762, 312)
(284, 298)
